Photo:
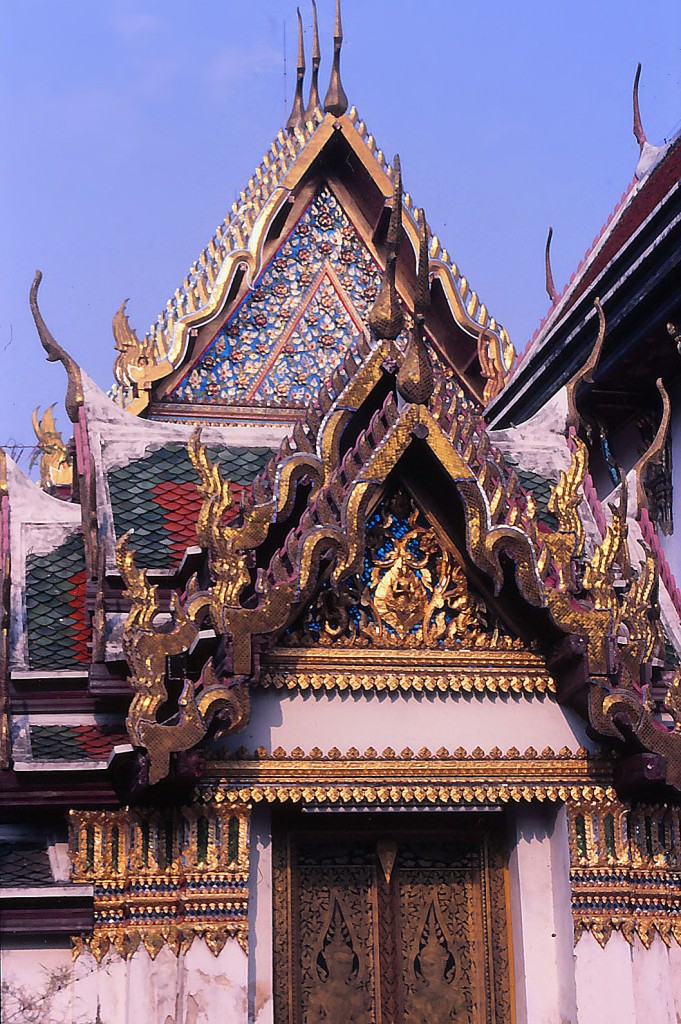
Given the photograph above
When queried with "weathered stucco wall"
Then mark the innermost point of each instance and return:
(194, 988)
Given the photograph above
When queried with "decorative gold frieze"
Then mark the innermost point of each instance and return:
(163, 878)
(625, 870)
(424, 778)
(375, 670)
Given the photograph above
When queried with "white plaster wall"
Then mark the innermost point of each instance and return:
(292, 719)
(623, 984)
(195, 988)
(541, 918)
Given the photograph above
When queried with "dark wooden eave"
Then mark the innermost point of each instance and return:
(636, 274)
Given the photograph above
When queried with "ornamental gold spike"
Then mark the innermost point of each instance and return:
(415, 378)
(585, 375)
(599, 575)
(132, 351)
(655, 452)
(639, 134)
(298, 108)
(313, 102)
(56, 469)
(550, 286)
(55, 353)
(335, 101)
(568, 540)
(385, 318)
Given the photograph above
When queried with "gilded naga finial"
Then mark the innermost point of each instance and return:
(639, 134)
(550, 286)
(298, 108)
(56, 469)
(386, 319)
(55, 353)
(415, 378)
(585, 375)
(335, 101)
(313, 102)
(132, 351)
(649, 155)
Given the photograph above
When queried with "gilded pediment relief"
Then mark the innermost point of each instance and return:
(411, 593)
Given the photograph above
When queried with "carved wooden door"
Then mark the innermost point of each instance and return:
(390, 926)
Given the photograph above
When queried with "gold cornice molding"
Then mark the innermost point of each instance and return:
(369, 670)
(422, 779)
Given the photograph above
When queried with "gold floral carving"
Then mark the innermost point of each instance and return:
(162, 878)
(625, 870)
(56, 469)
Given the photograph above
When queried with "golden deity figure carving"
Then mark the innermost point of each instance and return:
(412, 593)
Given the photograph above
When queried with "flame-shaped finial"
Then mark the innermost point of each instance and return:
(335, 101)
(649, 156)
(415, 377)
(550, 286)
(386, 319)
(313, 101)
(298, 108)
(639, 134)
(55, 353)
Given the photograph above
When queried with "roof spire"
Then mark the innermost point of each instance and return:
(639, 134)
(550, 286)
(335, 101)
(313, 101)
(55, 353)
(649, 156)
(415, 377)
(386, 319)
(297, 110)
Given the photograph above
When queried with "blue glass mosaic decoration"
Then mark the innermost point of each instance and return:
(292, 330)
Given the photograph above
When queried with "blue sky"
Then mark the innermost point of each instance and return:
(131, 125)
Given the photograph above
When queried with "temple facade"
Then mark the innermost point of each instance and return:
(339, 660)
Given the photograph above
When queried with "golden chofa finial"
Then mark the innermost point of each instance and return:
(55, 466)
(649, 156)
(385, 318)
(335, 101)
(639, 134)
(550, 286)
(313, 102)
(415, 378)
(298, 108)
(55, 353)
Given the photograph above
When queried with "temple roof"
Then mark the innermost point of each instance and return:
(328, 177)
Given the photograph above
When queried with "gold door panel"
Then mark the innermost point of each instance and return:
(385, 925)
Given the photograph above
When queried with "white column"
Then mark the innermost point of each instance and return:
(260, 977)
(542, 918)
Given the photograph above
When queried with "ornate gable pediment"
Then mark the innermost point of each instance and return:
(411, 593)
(293, 327)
